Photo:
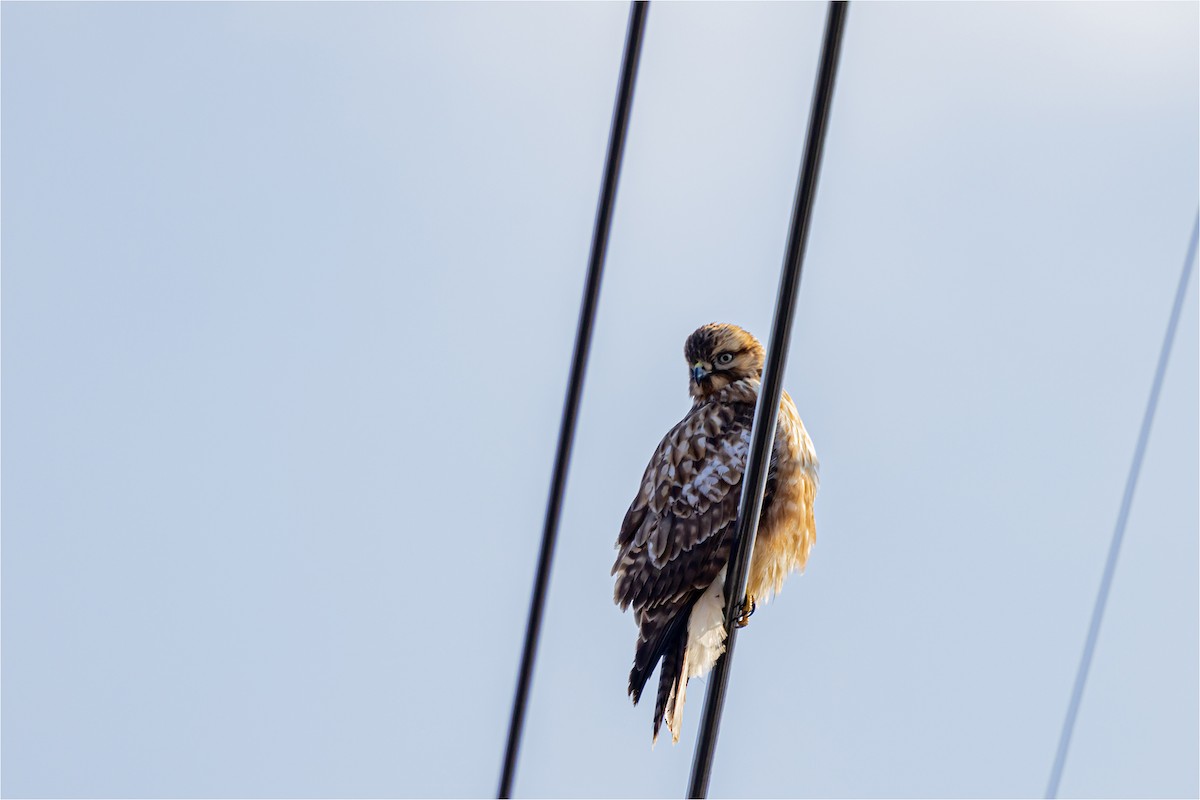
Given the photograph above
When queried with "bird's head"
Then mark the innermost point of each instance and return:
(717, 355)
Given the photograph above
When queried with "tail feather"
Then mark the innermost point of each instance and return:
(688, 643)
(658, 628)
(672, 684)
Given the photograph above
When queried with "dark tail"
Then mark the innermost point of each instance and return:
(657, 635)
(671, 681)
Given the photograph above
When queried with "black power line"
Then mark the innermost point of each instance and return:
(583, 340)
(1114, 547)
(766, 415)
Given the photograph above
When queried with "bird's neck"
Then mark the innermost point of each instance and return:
(740, 391)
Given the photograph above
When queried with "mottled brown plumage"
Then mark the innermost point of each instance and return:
(675, 540)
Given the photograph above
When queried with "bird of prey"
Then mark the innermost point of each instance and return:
(677, 536)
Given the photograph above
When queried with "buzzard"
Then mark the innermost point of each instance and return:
(677, 536)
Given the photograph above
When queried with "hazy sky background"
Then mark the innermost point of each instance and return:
(289, 292)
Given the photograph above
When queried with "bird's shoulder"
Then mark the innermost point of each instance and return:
(711, 439)
(689, 489)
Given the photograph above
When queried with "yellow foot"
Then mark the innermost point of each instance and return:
(748, 607)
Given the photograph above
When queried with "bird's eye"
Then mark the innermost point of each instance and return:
(725, 358)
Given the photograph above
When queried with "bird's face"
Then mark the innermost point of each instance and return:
(717, 355)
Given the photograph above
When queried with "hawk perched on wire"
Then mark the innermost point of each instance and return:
(677, 535)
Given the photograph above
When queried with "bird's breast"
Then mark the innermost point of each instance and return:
(787, 531)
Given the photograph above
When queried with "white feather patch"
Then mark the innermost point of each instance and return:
(706, 629)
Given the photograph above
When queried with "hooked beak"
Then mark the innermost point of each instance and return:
(699, 373)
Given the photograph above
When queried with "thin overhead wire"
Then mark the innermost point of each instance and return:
(1114, 548)
(583, 340)
(766, 415)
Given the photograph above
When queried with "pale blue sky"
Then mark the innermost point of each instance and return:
(288, 299)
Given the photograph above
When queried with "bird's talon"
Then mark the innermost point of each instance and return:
(748, 607)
